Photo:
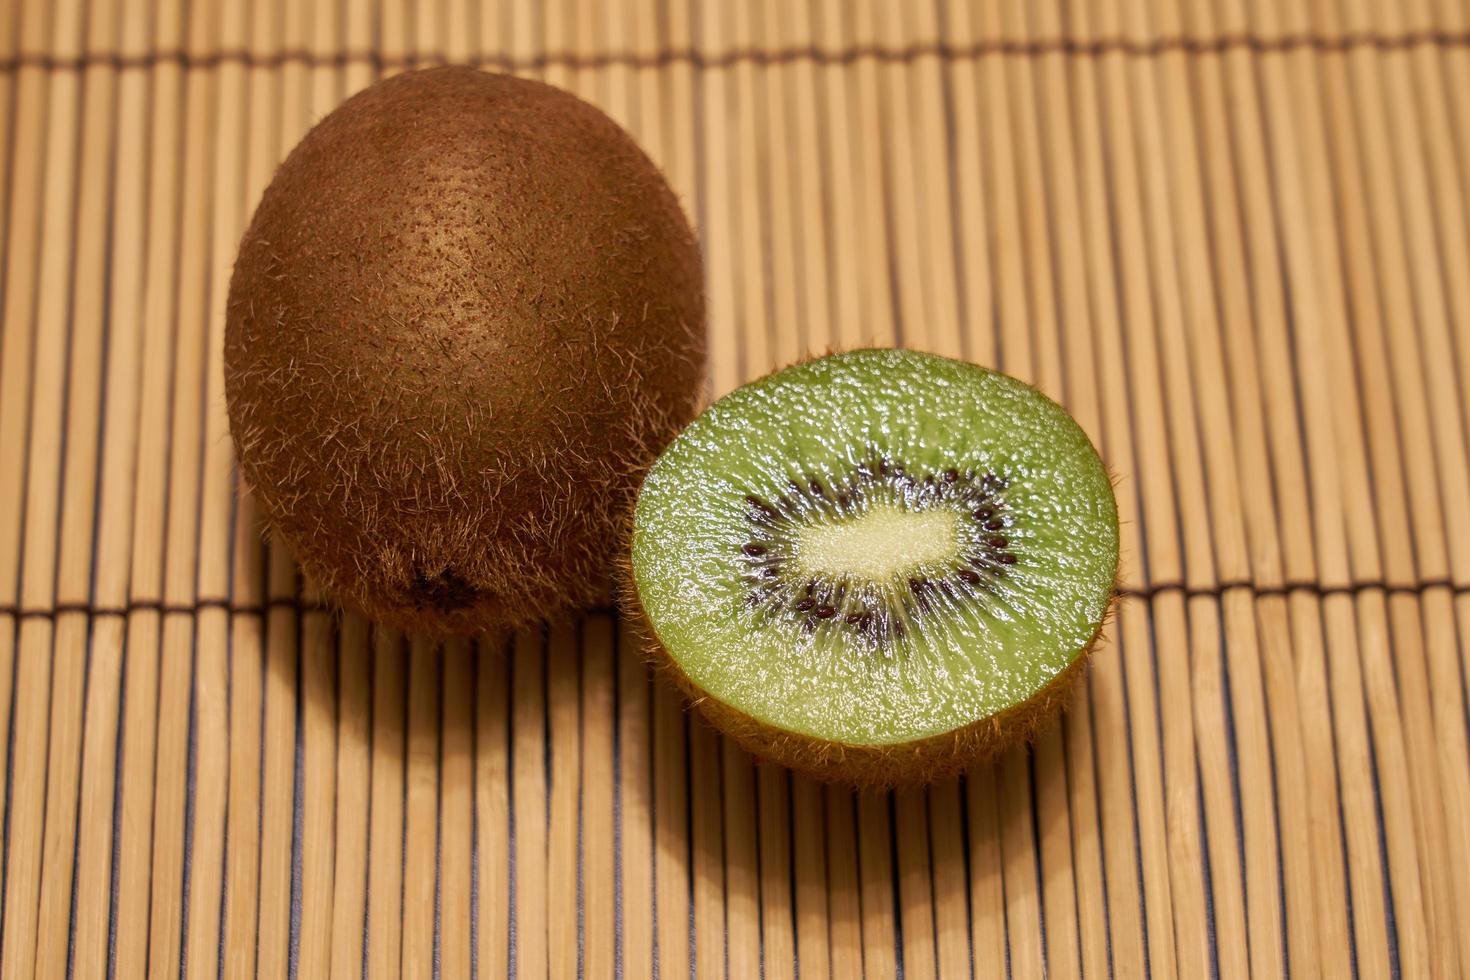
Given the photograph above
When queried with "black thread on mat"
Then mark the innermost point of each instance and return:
(1047, 967)
(298, 810)
(618, 653)
(1232, 747)
(437, 946)
(1390, 913)
(474, 819)
(119, 749)
(890, 809)
(512, 896)
(159, 606)
(374, 654)
(191, 803)
(1137, 48)
(76, 844)
(302, 606)
(222, 926)
(1317, 589)
(1132, 786)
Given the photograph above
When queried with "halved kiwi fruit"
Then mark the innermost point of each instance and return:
(879, 566)
(467, 315)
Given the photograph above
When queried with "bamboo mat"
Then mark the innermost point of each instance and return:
(1231, 235)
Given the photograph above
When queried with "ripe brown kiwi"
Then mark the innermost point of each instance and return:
(466, 316)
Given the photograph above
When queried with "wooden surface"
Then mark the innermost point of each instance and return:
(1231, 235)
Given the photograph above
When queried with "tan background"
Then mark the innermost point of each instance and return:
(1232, 237)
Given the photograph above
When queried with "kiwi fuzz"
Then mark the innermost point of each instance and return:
(466, 317)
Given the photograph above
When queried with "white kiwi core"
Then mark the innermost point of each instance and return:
(880, 544)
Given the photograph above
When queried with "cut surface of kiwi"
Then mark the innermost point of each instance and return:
(877, 566)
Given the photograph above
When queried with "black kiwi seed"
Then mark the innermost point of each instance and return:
(759, 508)
(818, 599)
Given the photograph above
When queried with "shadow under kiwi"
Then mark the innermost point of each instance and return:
(538, 730)
(856, 868)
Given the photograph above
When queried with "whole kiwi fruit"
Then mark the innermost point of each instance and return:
(467, 315)
(877, 567)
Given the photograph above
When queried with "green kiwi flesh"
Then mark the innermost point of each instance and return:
(878, 566)
(465, 318)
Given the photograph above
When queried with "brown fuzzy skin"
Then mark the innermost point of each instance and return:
(466, 317)
(866, 767)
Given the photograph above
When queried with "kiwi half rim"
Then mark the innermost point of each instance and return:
(1060, 519)
(866, 766)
